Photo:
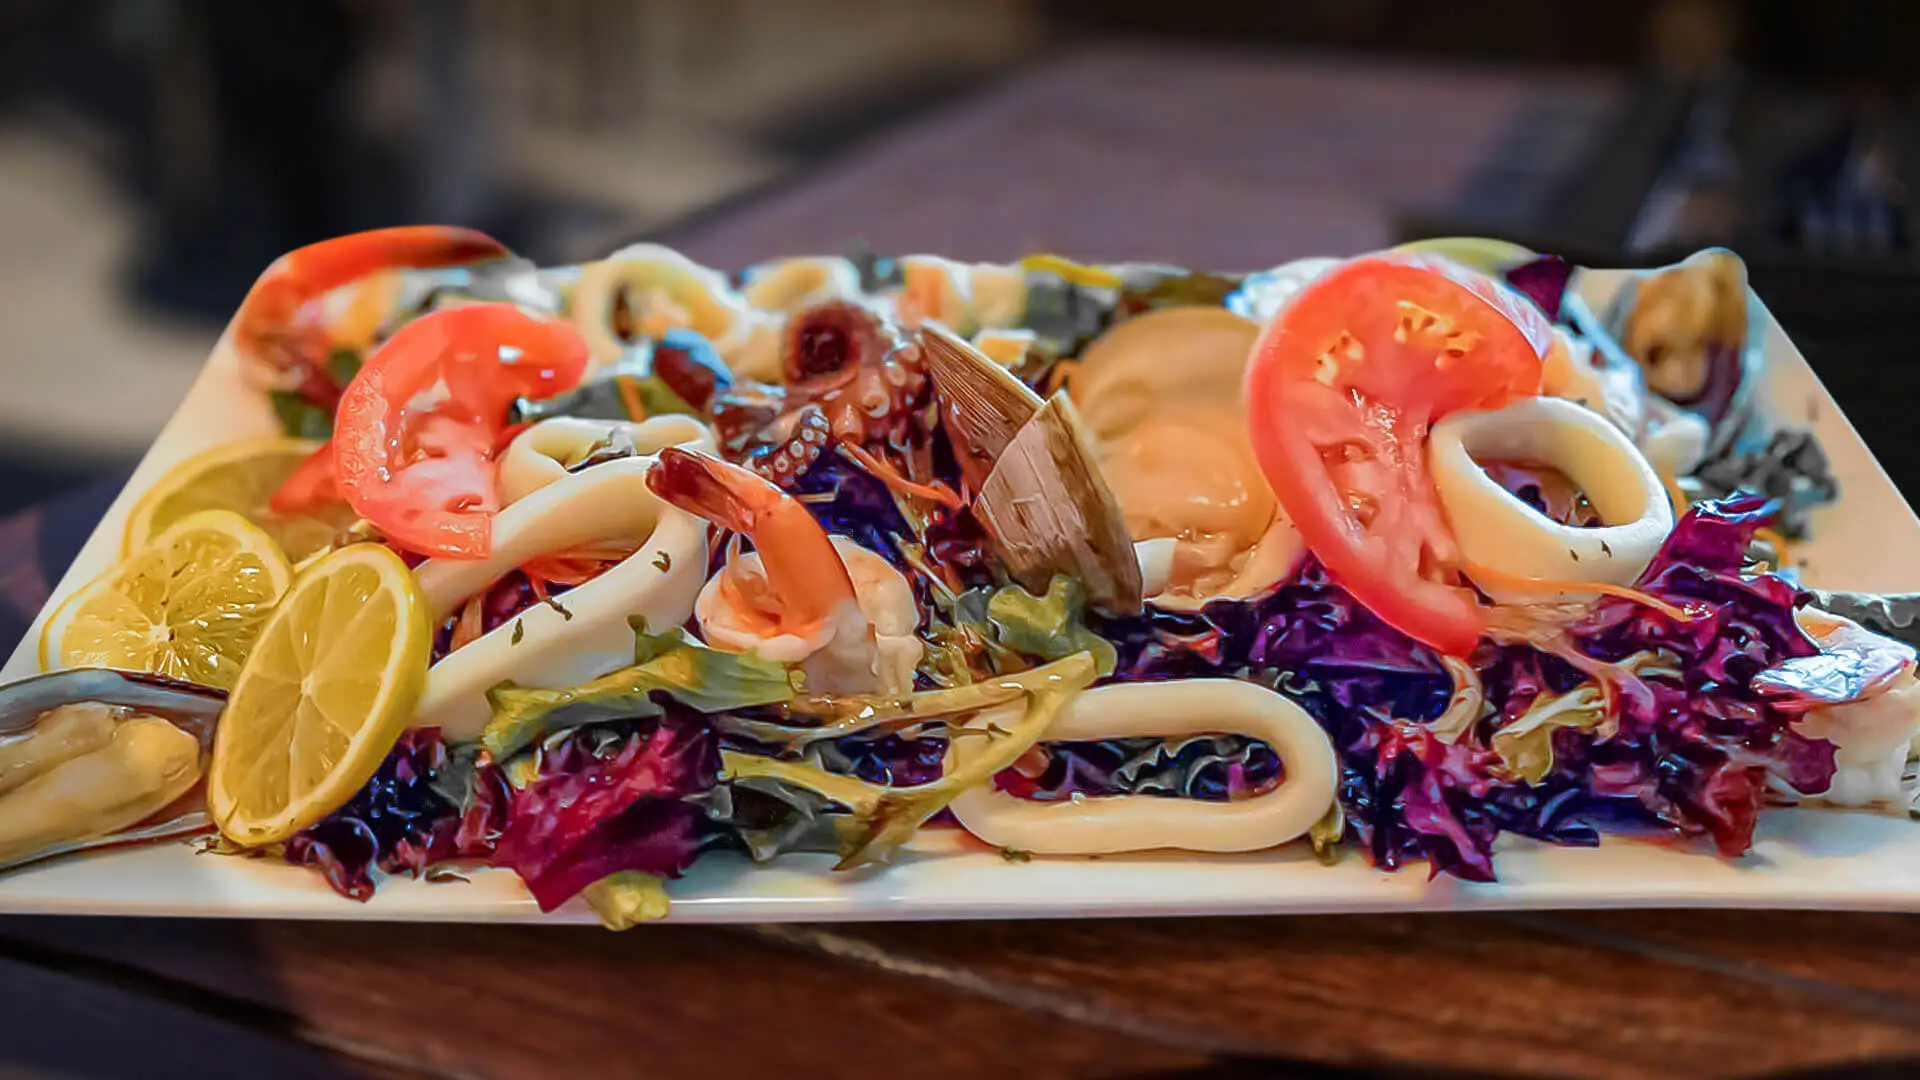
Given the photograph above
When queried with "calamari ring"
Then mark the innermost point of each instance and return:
(1497, 530)
(1108, 824)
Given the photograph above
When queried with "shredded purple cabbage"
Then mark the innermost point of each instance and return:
(889, 760)
(1695, 753)
(403, 820)
(1543, 281)
(861, 506)
(1215, 768)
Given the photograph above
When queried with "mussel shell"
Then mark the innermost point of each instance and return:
(188, 706)
(1732, 398)
(191, 707)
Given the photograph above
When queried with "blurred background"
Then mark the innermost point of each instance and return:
(156, 154)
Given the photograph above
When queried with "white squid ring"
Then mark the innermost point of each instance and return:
(544, 452)
(1497, 530)
(710, 306)
(1108, 824)
(587, 634)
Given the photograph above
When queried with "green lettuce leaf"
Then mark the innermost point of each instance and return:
(1526, 745)
(1051, 626)
(627, 899)
(885, 818)
(300, 418)
(700, 678)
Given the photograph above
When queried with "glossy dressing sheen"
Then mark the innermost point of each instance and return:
(1161, 393)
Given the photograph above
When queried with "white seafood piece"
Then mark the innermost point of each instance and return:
(1498, 531)
(1675, 439)
(588, 634)
(544, 452)
(787, 285)
(1263, 293)
(1574, 370)
(663, 289)
(146, 764)
(884, 595)
(1108, 824)
(1873, 735)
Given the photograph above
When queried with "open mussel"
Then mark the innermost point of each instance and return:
(95, 758)
(1037, 489)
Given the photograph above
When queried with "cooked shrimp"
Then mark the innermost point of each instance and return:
(280, 327)
(800, 605)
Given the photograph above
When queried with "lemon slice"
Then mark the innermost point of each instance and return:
(188, 605)
(332, 683)
(1482, 253)
(238, 476)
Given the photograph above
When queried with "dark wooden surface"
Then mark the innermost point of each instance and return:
(1205, 159)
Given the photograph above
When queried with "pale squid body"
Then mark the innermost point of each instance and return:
(545, 452)
(588, 634)
(1872, 734)
(1498, 531)
(787, 285)
(664, 289)
(884, 596)
(1108, 824)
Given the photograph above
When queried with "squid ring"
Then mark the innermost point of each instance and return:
(678, 292)
(587, 633)
(787, 285)
(1497, 530)
(546, 451)
(1107, 824)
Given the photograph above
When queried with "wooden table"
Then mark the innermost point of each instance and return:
(1115, 152)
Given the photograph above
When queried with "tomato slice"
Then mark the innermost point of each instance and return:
(1341, 391)
(420, 425)
(310, 484)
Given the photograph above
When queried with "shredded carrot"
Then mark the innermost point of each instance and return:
(1500, 579)
(1676, 496)
(472, 622)
(630, 397)
(888, 475)
(1782, 547)
(1061, 375)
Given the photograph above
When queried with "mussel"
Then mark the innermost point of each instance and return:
(1037, 489)
(93, 757)
(1693, 328)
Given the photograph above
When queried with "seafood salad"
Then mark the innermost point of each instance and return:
(590, 573)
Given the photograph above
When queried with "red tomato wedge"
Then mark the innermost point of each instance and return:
(1341, 391)
(310, 484)
(419, 427)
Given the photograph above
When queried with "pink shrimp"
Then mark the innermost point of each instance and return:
(278, 325)
(793, 599)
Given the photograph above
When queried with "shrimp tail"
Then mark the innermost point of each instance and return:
(701, 485)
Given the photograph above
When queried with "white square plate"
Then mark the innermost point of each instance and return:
(1800, 858)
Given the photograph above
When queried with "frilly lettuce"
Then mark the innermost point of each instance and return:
(672, 663)
(885, 818)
